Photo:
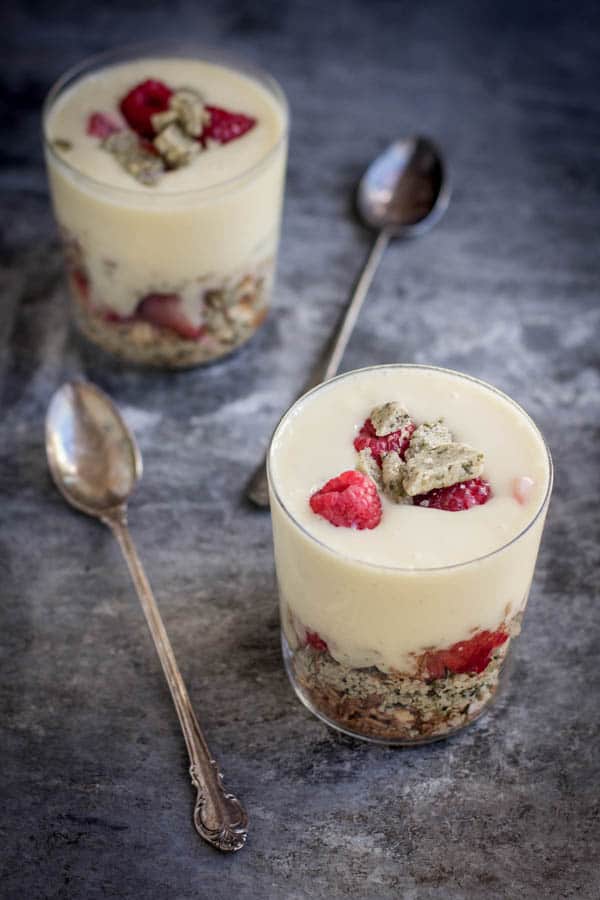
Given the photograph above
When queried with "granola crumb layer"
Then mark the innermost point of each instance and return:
(392, 706)
(229, 325)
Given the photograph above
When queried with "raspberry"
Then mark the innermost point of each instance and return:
(166, 311)
(142, 102)
(225, 126)
(101, 126)
(396, 440)
(315, 641)
(350, 500)
(457, 497)
(472, 656)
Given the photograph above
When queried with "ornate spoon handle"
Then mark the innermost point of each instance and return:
(218, 816)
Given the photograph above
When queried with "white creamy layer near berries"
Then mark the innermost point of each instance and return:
(383, 594)
(103, 92)
(165, 237)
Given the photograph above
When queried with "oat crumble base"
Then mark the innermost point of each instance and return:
(233, 312)
(395, 706)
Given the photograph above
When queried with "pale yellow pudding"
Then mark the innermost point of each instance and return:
(384, 600)
(200, 241)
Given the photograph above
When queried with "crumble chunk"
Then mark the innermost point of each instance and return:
(442, 466)
(393, 470)
(428, 436)
(389, 417)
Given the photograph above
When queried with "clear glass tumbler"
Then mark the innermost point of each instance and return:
(160, 276)
(343, 619)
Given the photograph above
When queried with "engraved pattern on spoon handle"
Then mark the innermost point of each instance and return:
(258, 488)
(218, 816)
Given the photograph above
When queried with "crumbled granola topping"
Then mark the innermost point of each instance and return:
(393, 470)
(442, 466)
(368, 466)
(175, 146)
(389, 417)
(144, 165)
(428, 436)
(161, 120)
(190, 110)
(62, 144)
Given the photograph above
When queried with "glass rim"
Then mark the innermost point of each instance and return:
(165, 48)
(414, 569)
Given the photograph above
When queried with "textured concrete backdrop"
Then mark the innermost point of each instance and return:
(95, 796)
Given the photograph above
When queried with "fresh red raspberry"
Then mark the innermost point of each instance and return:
(101, 126)
(142, 102)
(350, 500)
(166, 311)
(472, 656)
(461, 496)
(315, 641)
(396, 440)
(225, 126)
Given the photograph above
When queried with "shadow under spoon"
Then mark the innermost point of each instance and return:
(403, 193)
(95, 463)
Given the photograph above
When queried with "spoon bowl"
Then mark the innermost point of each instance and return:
(93, 456)
(405, 191)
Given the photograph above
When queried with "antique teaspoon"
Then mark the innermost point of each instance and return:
(403, 193)
(95, 463)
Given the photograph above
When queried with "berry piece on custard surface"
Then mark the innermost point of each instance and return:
(225, 126)
(144, 101)
(464, 657)
(101, 126)
(350, 500)
(166, 311)
(388, 428)
(457, 497)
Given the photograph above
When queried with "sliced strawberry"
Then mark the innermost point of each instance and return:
(225, 126)
(315, 641)
(166, 311)
(101, 126)
(464, 495)
(142, 102)
(472, 656)
(350, 500)
(396, 440)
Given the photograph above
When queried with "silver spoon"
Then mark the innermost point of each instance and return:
(95, 463)
(403, 193)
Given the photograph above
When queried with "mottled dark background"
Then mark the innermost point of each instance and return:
(95, 801)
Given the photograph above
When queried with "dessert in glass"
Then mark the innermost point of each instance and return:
(166, 171)
(408, 504)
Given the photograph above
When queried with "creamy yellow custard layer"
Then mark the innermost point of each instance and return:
(423, 578)
(204, 222)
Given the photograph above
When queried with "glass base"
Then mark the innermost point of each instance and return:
(402, 739)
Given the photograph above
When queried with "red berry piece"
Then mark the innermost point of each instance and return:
(81, 283)
(350, 500)
(315, 641)
(101, 126)
(396, 440)
(225, 126)
(464, 657)
(461, 496)
(166, 311)
(142, 102)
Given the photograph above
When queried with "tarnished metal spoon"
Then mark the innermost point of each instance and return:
(403, 193)
(95, 463)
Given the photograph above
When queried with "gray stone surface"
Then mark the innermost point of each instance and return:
(94, 794)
